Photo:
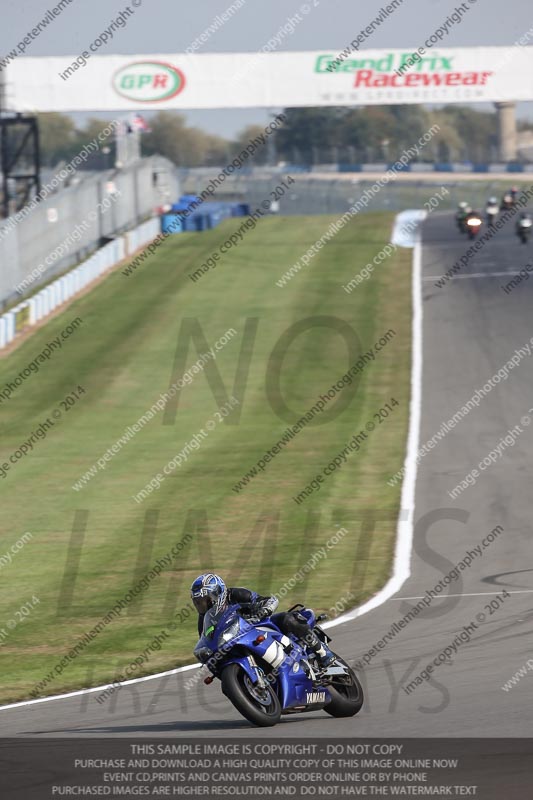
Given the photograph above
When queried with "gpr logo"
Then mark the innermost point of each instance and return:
(148, 81)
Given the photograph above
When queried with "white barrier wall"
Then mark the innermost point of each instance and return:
(140, 235)
(47, 300)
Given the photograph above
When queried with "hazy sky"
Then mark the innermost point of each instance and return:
(169, 26)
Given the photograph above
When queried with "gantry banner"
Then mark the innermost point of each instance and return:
(269, 80)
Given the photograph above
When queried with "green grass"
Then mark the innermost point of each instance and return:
(123, 355)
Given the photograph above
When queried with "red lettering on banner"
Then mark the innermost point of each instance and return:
(362, 77)
(373, 80)
(453, 78)
(435, 80)
(160, 80)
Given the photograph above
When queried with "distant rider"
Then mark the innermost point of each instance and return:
(491, 209)
(460, 217)
(462, 210)
(524, 221)
(210, 591)
(507, 201)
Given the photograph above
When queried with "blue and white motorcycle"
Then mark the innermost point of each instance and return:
(265, 673)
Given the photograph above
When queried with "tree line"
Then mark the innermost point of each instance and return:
(309, 136)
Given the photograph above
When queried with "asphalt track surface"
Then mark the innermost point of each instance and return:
(471, 328)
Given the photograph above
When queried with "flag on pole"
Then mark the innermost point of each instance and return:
(139, 123)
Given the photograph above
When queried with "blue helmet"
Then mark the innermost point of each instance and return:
(209, 591)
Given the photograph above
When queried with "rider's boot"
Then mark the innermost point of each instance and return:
(323, 654)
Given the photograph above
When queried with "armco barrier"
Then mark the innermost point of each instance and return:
(55, 294)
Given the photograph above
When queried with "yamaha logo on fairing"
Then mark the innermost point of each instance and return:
(315, 697)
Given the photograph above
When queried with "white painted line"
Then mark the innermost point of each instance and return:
(406, 229)
(472, 594)
(99, 688)
(402, 555)
(473, 275)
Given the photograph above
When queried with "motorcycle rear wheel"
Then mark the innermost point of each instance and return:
(346, 693)
(261, 707)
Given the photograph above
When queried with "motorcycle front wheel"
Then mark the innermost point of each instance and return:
(259, 706)
(347, 696)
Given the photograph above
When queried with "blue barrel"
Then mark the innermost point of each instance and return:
(171, 223)
(189, 223)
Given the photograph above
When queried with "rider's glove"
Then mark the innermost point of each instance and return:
(258, 614)
(270, 605)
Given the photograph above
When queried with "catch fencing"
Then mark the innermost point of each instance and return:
(66, 227)
(334, 195)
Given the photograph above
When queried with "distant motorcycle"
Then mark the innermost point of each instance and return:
(265, 673)
(507, 202)
(473, 224)
(523, 230)
(491, 211)
(461, 218)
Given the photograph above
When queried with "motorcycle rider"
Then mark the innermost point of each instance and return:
(507, 201)
(472, 223)
(210, 591)
(524, 222)
(460, 217)
(491, 209)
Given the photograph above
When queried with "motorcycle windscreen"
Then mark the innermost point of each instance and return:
(211, 620)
